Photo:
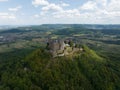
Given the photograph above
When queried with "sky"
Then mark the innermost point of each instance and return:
(36, 12)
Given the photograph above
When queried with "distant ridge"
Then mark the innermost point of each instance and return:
(88, 26)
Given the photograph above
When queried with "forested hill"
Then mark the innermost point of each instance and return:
(39, 71)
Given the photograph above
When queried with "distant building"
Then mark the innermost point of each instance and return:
(56, 45)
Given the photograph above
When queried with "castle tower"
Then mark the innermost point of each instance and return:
(62, 44)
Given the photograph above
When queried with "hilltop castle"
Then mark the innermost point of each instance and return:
(61, 47)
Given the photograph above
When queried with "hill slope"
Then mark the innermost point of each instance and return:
(39, 71)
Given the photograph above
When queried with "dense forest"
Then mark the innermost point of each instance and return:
(39, 71)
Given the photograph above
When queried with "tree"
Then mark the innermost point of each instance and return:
(71, 43)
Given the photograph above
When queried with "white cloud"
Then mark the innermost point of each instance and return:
(37, 3)
(52, 7)
(67, 13)
(114, 5)
(43, 13)
(7, 16)
(36, 16)
(102, 3)
(92, 11)
(102, 9)
(90, 5)
(111, 9)
(15, 9)
(48, 6)
(64, 4)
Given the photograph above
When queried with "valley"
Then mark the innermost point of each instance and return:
(26, 65)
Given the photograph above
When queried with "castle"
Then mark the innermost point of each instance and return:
(61, 47)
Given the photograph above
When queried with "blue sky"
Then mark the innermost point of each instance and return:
(35, 12)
